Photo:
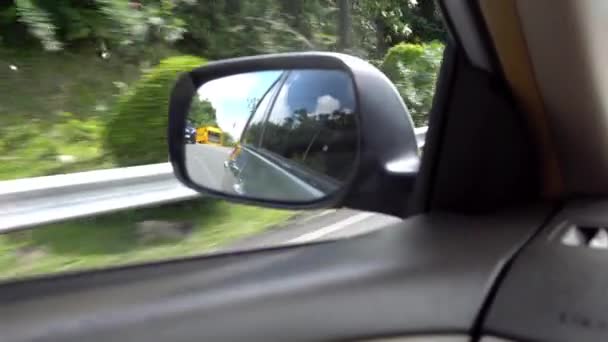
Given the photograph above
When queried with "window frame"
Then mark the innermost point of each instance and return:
(272, 91)
(301, 167)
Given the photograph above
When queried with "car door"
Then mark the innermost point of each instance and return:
(429, 276)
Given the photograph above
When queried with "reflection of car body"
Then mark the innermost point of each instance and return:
(290, 149)
(190, 134)
(209, 135)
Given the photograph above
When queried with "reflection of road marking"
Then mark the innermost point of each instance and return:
(331, 228)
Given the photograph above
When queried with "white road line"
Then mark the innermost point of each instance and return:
(317, 215)
(331, 228)
(327, 211)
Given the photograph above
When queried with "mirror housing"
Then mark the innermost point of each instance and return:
(387, 157)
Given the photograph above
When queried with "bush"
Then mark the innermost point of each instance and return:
(413, 68)
(136, 131)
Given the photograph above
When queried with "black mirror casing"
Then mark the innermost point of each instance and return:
(388, 158)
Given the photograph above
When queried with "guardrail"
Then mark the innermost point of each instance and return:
(29, 202)
(33, 201)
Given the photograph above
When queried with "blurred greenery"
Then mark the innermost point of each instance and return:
(41, 148)
(113, 239)
(202, 113)
(99, 60)
(136, 132)
(413, 68)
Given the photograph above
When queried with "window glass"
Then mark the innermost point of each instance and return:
(253, 132)
(84, 88)
(312, 121)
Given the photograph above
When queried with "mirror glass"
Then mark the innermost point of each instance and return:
(283, 135)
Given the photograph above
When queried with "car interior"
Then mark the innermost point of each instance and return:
(502, 237)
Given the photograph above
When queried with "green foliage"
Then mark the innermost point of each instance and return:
(137, 129)
(45, 83)
(39, 23)
(112, 240)
(36, 149)
(202, 113)
(413, 68)
(219, 28)
(230, 28)
(123, 25)
(82, 56)
(228, 140)
(380, 24)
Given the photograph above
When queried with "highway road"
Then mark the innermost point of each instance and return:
(205, 164)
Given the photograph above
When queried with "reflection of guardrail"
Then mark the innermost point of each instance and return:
(33, 201)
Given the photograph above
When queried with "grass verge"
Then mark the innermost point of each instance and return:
(112, 240)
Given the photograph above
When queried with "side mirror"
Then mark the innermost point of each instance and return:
(296, 130)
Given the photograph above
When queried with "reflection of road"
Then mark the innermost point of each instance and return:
(205, 164)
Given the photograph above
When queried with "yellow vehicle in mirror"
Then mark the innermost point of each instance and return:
(209, 135)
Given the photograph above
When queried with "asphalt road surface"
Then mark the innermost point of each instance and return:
(205, 164)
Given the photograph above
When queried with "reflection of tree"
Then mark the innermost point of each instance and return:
(228, 139)
(324, 142)
(252, 103)
(202, 113)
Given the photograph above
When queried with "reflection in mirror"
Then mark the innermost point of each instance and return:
(282, 135)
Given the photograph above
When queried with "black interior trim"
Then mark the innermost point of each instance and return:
(556, 292)
(420, 201)
(478, 327)
(487, 160)
(409, 278)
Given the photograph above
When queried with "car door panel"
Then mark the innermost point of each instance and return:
(264, 178)
(406, 279)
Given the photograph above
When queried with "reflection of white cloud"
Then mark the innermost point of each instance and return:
(326, 104)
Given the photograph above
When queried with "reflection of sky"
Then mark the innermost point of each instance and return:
(230, 97)
(314, 91)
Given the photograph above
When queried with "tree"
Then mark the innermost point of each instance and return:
(394, 21)
(413, 68)
(136, 131)
(202, 113)
(119, 24)
(252, 103)
(228, 140)
(345, 25)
